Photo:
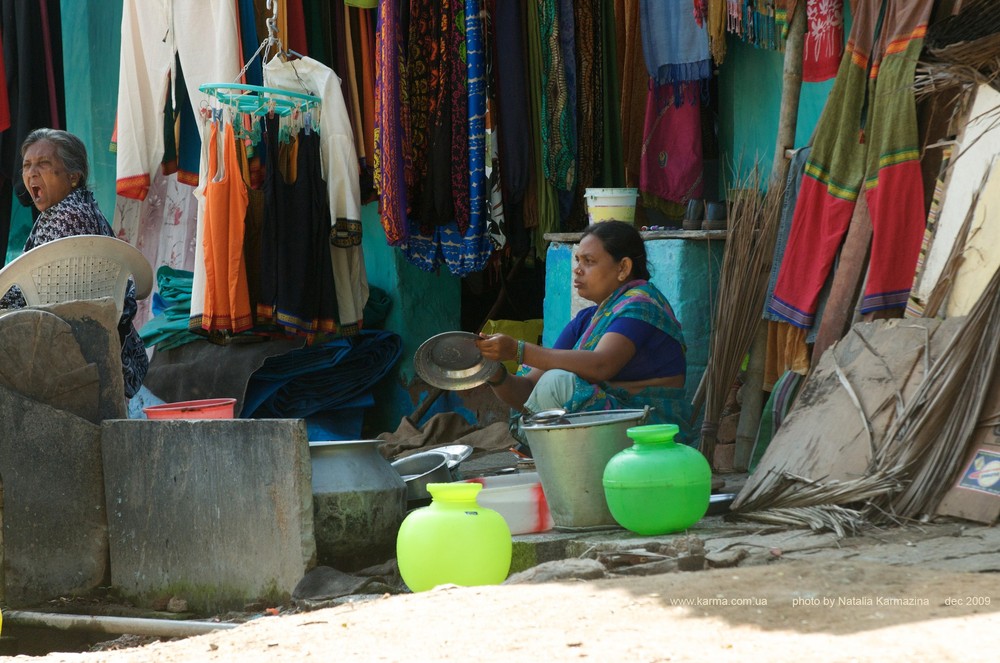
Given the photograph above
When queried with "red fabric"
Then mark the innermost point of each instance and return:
(671, 163)
(50, 75)
(296, 39)
(818, 227)
(897, 207)
(824, 44)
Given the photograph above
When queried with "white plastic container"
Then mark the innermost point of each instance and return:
(611, 204)
(519, 498)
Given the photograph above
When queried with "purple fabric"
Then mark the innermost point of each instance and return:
(657, 355)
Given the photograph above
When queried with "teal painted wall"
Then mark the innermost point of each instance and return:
(91, 46)
(749, 102)
(423, 304)
(686, 272)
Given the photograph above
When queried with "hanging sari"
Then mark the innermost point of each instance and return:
(639, 300)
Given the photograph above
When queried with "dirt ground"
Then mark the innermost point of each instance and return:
(842, 610)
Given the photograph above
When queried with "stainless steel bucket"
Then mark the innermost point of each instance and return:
(570, 452)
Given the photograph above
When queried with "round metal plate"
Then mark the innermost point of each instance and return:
(452, 361)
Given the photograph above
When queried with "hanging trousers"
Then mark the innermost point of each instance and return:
(866, 141)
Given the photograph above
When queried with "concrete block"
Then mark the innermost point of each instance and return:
(217, 511)
(55, 538)
(95, 326)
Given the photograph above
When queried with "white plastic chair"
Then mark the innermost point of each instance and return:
(78, 267)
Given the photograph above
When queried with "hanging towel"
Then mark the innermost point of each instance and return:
(674, 45)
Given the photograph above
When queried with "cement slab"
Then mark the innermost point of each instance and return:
(55, 539)
(216, 512)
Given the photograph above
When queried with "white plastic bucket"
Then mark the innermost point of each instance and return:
(611, 204)
(519, 498)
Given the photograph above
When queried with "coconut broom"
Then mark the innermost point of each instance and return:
(753, 224)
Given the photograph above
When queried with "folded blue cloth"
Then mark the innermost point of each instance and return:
(325, 377)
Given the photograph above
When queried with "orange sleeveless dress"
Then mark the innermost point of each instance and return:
(227, 296)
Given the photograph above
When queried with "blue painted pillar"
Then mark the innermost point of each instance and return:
(685, 267)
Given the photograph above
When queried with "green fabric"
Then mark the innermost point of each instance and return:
(558, 135)
(775, 409)
(613, 158)
(547, 220)
(169, 329)
(317, 15)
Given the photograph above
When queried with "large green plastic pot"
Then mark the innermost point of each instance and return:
(657, 486)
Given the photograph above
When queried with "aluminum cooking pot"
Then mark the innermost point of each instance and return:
(421, 469)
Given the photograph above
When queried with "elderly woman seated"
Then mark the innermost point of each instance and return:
(54, 170)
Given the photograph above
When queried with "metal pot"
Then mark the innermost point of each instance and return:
(570, 452)
(421, 469)
(358, 503)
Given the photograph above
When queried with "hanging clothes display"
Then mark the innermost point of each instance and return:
(227, 298)
(634, 85)
(872, 99)
(756, 23)
(671, 163)
(824, 45)
(448, 223)
(389, 175)
(589, 50)
(541, 199)
(204, 36)
(32, 60)
(297, 287)
(339, 164)
(463, 251)
(674, 46)
(555, 25)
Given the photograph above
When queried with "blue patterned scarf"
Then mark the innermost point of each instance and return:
(674, 45)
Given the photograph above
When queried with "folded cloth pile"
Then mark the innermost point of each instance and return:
(323, 378)
(171, 310)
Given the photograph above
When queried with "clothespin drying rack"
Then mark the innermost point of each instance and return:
(259, 99)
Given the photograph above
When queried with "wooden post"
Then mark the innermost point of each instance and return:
(3, 580)
(791, 84)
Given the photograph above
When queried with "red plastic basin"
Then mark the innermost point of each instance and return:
(206, 408)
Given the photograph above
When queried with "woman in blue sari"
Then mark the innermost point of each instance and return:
(626, 351)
